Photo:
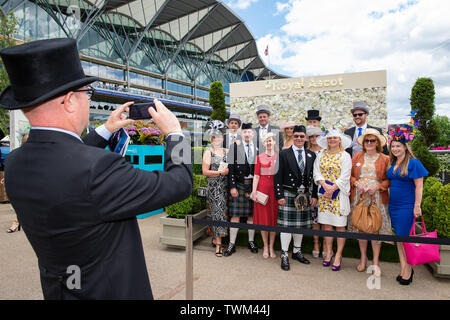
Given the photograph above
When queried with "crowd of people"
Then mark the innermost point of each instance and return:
(301, 176)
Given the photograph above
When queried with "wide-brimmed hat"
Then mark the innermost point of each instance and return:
(373, 132)
(263, 108)
(313, 115)
(41, 70)
(346, 141)
(288, 124)
(360, 105)
(313, 131)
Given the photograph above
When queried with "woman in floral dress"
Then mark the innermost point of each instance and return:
(332, 171)
(216, 181)
(369, 178)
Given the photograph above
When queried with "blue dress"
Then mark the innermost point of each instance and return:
(402, 196)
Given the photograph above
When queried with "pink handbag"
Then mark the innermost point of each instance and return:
(421, 253)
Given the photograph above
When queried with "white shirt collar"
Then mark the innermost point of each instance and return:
(59, 130)
(364, 126)
(295, 148)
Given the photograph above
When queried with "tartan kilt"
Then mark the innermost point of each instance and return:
(289, 216)
(240, 206)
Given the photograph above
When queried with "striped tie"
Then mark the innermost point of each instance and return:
(300, 161)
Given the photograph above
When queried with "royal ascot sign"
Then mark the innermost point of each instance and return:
(278, 86)
(332, 95)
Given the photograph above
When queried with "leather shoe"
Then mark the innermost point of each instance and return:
(285, 261)
(230, 250)
(252, 247)
(300, 258)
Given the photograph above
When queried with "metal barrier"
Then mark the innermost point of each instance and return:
(190, 221)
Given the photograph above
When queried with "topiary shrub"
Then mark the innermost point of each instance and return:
(436, 206)
(190, 205)
(422, 100)
(217, 101)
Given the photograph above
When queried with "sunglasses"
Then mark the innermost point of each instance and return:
(358, 114)
(370, 140)
(301, 136)
(89, 91)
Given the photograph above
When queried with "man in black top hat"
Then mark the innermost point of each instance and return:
(241, 165)
(313, 119)
(360, 112)
(296, 194)
(77, 202)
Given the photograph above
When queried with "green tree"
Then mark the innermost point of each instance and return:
(8, 27)
(217, 101)
(443, 123)
(422, 100)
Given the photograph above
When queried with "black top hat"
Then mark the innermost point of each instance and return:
(299, 129)
(246, 126)
(313, 115)
(41, 70)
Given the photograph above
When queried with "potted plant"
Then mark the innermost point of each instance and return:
(146, 150)
(174, 225)
(436, 214)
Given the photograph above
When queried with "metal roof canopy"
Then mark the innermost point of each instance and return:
(209, 25)
(203, 23)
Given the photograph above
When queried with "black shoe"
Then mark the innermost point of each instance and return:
(252, 247)
(300, 258)
(398, 278)
(230, 250)
(406, 282)
(285, 261)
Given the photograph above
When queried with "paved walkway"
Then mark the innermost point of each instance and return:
(242, 276)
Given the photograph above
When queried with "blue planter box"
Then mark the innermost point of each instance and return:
(146, 158)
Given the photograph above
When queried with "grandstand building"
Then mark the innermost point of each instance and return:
(142, 49)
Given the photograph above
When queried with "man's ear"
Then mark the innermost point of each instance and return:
(69, 105)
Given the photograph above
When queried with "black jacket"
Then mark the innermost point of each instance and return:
(289, 175)
(238, 164)
(78, 205)
(351, 132)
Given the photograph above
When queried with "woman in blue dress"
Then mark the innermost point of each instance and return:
(406, 174)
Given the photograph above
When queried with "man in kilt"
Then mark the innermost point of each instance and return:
(295, 178)
(241, 165)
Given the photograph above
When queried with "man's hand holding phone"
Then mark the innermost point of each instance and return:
(166, 121)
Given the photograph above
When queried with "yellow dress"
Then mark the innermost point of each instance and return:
(329, 209)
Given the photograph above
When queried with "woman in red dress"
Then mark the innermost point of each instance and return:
(263, 182)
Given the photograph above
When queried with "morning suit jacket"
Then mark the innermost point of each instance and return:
(351, 132)
(288, 176)
(226, 137)
(238, 164)
(78, 204)
(276, 130)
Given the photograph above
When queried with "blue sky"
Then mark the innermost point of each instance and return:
(408, 38)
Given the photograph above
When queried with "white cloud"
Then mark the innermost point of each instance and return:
(410, 39)
(240, 4)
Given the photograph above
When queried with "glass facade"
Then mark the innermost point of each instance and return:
(156, 66)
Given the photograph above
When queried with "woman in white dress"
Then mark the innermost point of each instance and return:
(332, 171)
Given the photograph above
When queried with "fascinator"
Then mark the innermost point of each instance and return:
(214, 128)
(405, 132)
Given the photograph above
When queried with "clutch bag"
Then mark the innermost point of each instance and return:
(335, 193)
(262, 198)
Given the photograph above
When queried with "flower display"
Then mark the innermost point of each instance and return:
(334, 106)
(144, 133)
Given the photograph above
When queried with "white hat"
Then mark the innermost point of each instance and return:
(313, 131)
(346, 141)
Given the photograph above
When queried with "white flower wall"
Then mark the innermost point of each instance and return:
(334, 107)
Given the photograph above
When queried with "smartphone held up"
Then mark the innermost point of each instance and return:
(139, 111)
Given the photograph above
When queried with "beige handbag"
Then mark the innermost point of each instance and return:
(367, 219)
